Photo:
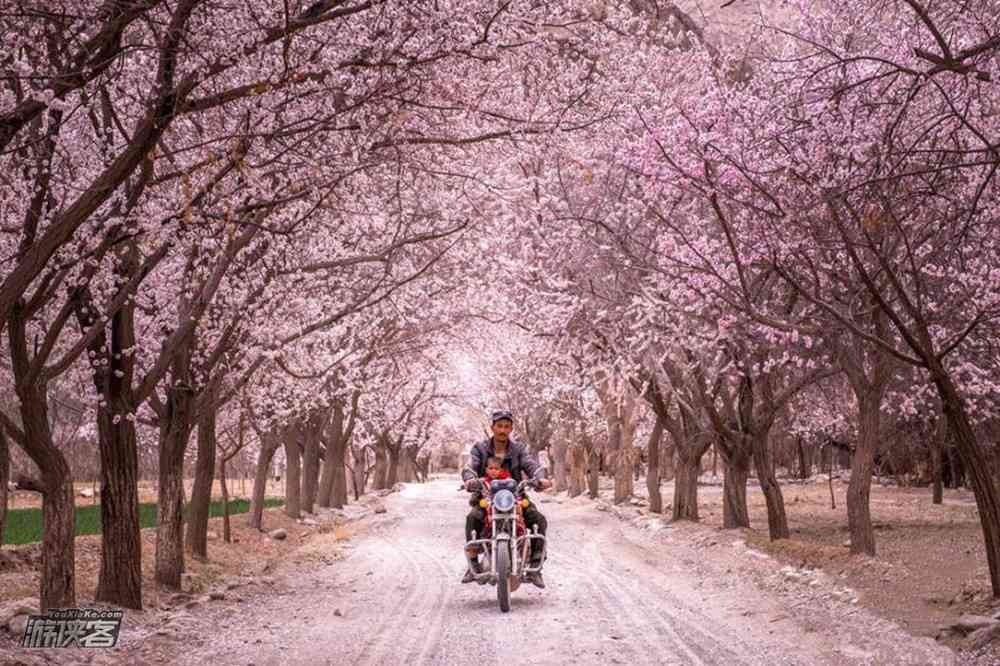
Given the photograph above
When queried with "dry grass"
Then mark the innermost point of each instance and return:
(930, 564)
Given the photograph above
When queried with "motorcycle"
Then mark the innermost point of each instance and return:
(505, 541)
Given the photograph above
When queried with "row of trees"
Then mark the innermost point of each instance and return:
(219, 213)
(796, 239)
(313, 225)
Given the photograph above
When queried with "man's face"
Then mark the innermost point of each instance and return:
(501, 430)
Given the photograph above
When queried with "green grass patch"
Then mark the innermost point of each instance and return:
(25, 525)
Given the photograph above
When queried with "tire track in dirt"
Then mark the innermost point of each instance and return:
(690, 630)
(626, 621)
(434, 631)
(694, 652)
(646, 625)
(599, 598)
(386, 630)
(698, 646)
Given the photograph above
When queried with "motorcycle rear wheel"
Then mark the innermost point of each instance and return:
(503, 578)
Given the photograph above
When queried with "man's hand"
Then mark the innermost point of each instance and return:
(472, 485)
(543, 484)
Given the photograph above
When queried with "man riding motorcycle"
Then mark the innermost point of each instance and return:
(518, 461)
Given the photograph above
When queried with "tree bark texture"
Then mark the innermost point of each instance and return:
(653, 470)
(201, 491)
(4, 480)
(805, 464)
(777, 520)
(735, 453)
(226, 527)
(58, 541)
(978, 465)
(120, 579)
(593, 473)
(332, 434)
(393, 451)
(736, 471)
(359, 470)
(686, 485)
(269, 445)
(577, 470)
(938, 441)
(311, 432)
(293, 474)
(58, 575)
(381, 472)
(859, 517)
(175, 430)
(560, 463)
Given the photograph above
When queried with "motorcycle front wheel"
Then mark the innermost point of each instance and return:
(503, 577)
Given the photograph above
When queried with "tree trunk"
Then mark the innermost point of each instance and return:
(333, 486)
(957, 472)
(686, 486)
(340, 472)
(58, 576)
(4, 480)
(358, 474)
(120, 579)
(667, 455)
(736, 470)
(58, 541)
(424, 468)
(653, 470)
(978, 466)
(560, 464)
(805, 465)
(201, 492)
(577, 470)
(226, 530)
(938, 439)
(268, 447)
(333, 434)
(594, 474)
(777, 521)
(174, 434)
(624, 484)
(293, 474)
(381, 464)
(311, 432)
(859, 518)
(392, 475)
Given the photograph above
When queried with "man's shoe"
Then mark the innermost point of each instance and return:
(535, 578)
(474, 568)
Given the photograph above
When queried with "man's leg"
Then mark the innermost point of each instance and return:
(534, 517)
(474, 522)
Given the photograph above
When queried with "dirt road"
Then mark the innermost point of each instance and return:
(616, 594)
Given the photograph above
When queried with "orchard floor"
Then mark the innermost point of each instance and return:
(930, 564)
(622, 588)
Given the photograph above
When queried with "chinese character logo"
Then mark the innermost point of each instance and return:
(73, 627)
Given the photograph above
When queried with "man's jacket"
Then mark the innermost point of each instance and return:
(517, 460)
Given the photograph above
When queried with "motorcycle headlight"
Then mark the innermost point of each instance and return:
(503, 501)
